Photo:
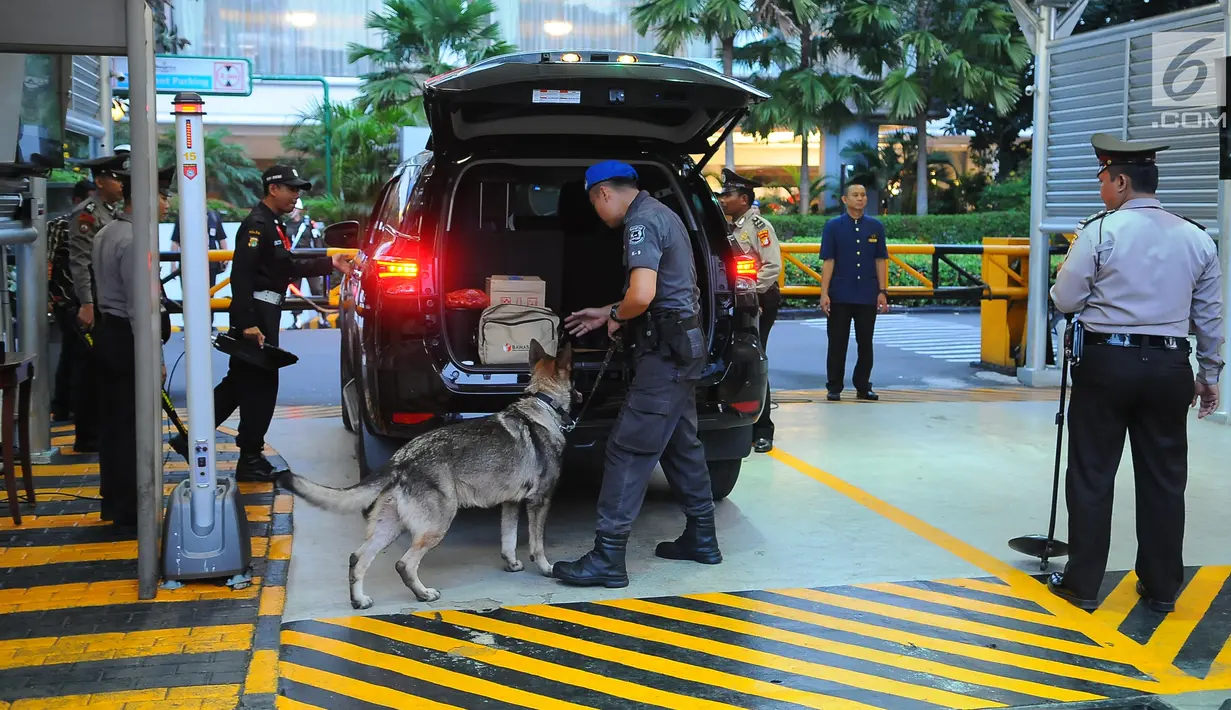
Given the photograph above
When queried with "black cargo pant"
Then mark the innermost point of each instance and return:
(770, 301)
(1146, 393)
(117, 409)
(71, 350)
(251, 389)
(839, 331)
(658, 423)
(85, 387)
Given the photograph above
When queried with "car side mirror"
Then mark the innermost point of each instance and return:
(342, 235)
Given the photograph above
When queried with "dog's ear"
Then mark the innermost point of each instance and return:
(564, 357)
(536, 352)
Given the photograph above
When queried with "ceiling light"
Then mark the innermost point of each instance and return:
(626, 59)
(557, 28)
(570, 57)
(301, 19)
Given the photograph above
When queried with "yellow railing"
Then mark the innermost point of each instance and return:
(222, 304)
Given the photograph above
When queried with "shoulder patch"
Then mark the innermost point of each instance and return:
(1094, 217)
(636, 234)
(763, 235)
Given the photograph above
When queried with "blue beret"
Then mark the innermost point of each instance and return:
(607, 170)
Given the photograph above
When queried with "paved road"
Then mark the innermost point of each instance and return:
(911, 350)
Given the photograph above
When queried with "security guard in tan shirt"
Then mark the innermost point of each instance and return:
(1138, 279)
(756, 237)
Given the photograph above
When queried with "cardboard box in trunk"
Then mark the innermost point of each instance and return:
(516, 290)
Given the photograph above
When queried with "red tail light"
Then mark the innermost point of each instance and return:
(746, 407)
(410, 417)
(745, 266)
(397, 268)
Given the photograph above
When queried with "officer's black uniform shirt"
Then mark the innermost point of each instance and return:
(263, 262)
(655, 238)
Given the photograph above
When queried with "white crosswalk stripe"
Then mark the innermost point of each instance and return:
(951, 342)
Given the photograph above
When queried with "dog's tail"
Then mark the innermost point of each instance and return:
(341, 500)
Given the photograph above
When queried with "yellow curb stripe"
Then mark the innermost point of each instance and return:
(957, 602)
(172, 465)
(92, 594)
(358, 689)
(1194, 602)
(1125, 649)
(978, 585)
(975, 651)
(262, 673)
(426, 672)
(273, 601)
(284, 703)
(852, 679)
(532, 666)
(645, 661)
(47, 651)
(88, 552)
(170, 698)
(871, 655)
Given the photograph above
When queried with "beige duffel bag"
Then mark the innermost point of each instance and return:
(506, 329)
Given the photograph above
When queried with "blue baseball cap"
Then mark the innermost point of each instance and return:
(607, 170)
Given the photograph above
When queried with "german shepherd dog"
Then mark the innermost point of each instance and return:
(505, 459)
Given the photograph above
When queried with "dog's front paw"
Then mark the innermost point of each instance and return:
(512, 564)
(364, 602)
(428, 595)
(542, 563)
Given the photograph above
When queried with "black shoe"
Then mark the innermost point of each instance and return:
(867, 394)
(179, 443)
(601, 567)
(61, 416)
(255, 468)
(834, 396)
(86, 446)
(1161, 607)
(699, 542)
(763, 445)
(1055, 583)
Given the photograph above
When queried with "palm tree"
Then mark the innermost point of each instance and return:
(229, 173)
(949, 52)
(419, 39)
(811, 71)
(677, 22)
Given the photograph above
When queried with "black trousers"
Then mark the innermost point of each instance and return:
(71, 349)
(251, 389)
(1146, 393)
(85, 382)
(770, 301)
(839, 330)
(657, 424)
(117, 407)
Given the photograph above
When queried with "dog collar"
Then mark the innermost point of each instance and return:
(551, 404)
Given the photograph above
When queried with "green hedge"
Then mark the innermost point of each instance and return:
(931, 229)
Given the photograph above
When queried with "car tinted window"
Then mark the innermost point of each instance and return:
(388, 214)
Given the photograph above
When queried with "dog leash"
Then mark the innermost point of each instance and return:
(616, 341)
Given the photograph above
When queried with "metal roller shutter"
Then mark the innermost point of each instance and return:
(84, 105)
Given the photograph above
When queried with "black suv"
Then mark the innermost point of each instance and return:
(500, 191)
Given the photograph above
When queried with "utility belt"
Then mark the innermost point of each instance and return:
(270, 297)
(1126, 340)
(669, 333)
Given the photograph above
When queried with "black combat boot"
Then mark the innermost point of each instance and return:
(255, 468)
(601, 567)
(699, 542)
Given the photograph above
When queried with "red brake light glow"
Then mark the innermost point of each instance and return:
(746, 407)
(404, 268)
(745, 266)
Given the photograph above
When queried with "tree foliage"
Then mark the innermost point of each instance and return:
(229, 173)
(421, 39)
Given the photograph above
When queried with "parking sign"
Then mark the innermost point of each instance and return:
(1187, 70)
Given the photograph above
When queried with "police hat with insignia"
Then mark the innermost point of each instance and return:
(165, 176)
(1113, 151)
(284, 175)
(609, 170)
(733, 182)
(106, 166)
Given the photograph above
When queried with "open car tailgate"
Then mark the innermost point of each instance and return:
(648, 97)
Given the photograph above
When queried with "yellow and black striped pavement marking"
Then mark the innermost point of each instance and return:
(997, 641)
(73, 632)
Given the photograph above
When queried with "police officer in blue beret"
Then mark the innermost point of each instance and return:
(658, 423)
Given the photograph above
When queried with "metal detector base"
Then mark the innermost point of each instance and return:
(224, 550)
(1039, 546)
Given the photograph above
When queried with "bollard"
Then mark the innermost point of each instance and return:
(1002, 322)
(206, 533)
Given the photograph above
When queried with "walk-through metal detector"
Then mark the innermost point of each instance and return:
(206, 530)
